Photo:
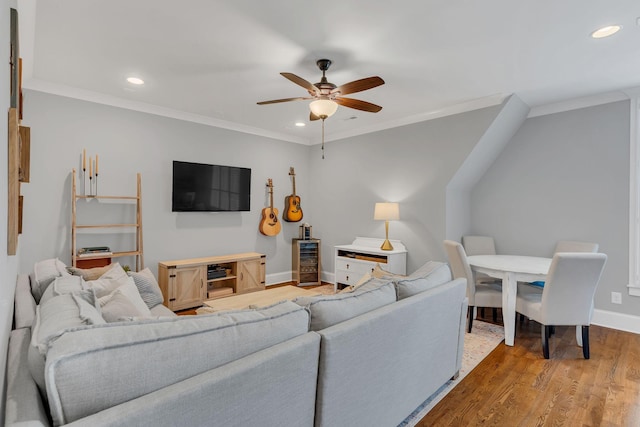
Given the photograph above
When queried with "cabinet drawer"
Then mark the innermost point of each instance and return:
(348, 277)
(354, 266)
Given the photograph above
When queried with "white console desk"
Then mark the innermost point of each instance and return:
(360, 257)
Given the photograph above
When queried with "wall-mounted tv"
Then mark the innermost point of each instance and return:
(199, 187)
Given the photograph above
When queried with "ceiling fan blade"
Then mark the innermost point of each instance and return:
(275, 101)
(359, 85)
(301, 82)
(358, 105)
(313, 117)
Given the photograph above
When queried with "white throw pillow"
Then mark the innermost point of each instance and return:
(109, 281)
(129, 292)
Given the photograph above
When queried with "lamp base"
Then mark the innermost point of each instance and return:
(386, 245)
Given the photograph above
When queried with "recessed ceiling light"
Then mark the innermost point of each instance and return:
(301, 124)
(135, 81)
(605, 31)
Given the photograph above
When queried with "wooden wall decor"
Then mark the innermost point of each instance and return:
(13, 205)
(14, 183)
(14, 61)
(25, 152)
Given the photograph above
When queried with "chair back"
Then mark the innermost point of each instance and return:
(571, 246)
(478, 245)
(460, 266)
(567, 297)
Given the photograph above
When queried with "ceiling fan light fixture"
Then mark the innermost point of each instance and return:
(605, 31)
(323, 108)
(135, 80)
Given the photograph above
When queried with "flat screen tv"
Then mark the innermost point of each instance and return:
(199, 187)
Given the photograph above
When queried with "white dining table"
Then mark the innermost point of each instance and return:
(511, 269)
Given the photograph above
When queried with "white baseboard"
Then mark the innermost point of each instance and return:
(613, 320)
(274, 279)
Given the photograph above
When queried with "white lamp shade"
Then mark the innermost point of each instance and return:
(386, 211)
(323, 108)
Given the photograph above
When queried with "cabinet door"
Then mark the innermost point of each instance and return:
(188, 287)
(250, 276)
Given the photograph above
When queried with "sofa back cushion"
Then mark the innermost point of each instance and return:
(59, 313)
(91, 369)
(327, 310)
(430, 275)
(44, 273)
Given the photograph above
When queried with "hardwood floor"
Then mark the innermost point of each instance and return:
(516, 386)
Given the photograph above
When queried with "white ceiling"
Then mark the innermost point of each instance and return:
(211, 61)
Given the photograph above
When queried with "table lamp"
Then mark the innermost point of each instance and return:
(386, 212)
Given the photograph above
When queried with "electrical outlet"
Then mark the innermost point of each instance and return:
(616, 297)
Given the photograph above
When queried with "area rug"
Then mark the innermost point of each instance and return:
(477, 346)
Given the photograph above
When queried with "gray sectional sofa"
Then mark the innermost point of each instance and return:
(366, 357)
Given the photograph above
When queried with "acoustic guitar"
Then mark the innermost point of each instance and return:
(292, 209)
(269, 224)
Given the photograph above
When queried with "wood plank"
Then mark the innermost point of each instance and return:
(13, 209)
(517, 386)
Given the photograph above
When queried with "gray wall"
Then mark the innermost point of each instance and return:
(129, 142)
(411, 165)
(564, 176)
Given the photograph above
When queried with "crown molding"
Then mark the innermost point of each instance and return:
(578, 103)
(463, 107)
(99, 98)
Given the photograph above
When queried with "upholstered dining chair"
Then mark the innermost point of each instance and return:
(567, 296)
(479, 294)
(561, 246)
(479, 245)
(482, 245)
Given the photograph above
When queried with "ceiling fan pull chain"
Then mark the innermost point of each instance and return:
(322, 139)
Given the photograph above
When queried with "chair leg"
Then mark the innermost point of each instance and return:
(553, 330)
(585, 342)
(470, 319)
(545, 340)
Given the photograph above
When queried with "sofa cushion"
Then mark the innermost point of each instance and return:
(63, 312)
(44, 273)
(327, 310)
(23, 403)
(428, 276)
(55, 316)
(109, 281)
(124, 301)
(24, 311)
(91, 273)
(88, 370)
(63, 285)
(147, 287)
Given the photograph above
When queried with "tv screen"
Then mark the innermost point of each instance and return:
(200, 187)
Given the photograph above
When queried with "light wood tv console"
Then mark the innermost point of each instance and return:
(184, 283)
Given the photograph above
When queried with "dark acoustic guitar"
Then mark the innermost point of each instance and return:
(269, 224)
(292, 209)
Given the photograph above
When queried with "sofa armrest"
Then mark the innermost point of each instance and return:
(25, 306)
(24, 405)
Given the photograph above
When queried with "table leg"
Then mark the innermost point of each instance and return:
(509, 290)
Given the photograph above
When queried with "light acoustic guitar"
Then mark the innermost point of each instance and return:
(292, 209)
(269, 225)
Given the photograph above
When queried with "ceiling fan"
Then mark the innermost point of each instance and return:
(328, 96)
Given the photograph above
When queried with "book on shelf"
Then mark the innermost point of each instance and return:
(94, 250)
(94, 254)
